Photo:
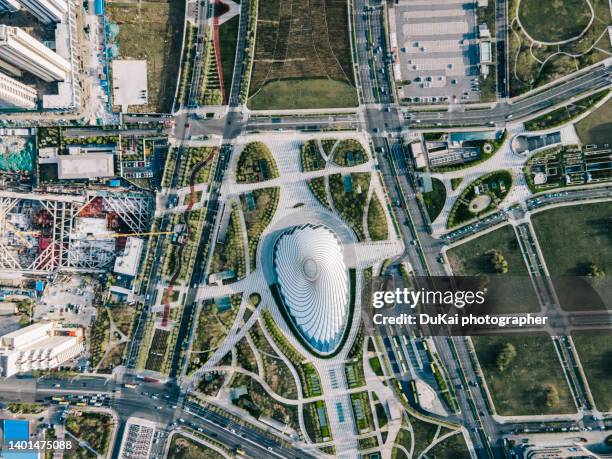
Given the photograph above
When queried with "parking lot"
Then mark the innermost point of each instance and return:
(437, 49)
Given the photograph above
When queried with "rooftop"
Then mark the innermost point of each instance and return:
(85, 166)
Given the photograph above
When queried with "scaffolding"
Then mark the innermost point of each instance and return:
(57, 245)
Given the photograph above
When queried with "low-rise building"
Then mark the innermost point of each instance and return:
(486, 55)
(41, 346)
(85, 164)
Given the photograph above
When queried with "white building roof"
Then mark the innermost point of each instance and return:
(85, 166)
(129, 83)
(314, 284)
(485, 52)
(127, 263)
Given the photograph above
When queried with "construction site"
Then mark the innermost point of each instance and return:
(43, 233)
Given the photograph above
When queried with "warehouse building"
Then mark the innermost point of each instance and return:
(85, 166)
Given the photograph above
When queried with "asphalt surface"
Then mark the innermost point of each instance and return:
(596, 78)
(154, 401)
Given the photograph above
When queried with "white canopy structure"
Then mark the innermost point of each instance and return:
(314, 284)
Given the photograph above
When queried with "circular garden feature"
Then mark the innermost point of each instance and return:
(552, 21)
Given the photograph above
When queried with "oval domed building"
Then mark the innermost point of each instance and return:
(314, 284)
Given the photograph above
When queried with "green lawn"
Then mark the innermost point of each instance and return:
(303, 93)
(230, 255)
(185, 448)
(473, 258)
(470, 258)
(519, 389)
(94, 428)
(377, 221)
(349, 152)
(595, 353)
(317, 187)
(310, 156)
(228, 36)
(266, 200)
(572, 238)
(422, 434)
(554, 20)
(454, 447)
(351, 204)
(435, 199)
(256, 164)
(597, 127)
(493, 186)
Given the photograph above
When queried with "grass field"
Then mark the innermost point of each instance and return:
(302, 56)
(470, 258)
(94, 428)
(377, 221)
(304, 93)
(185, 448)
(434, 199)
(228, 36)
(453, 447)
(473, 258)
(595, 353)
(586, 228)
(554, 20)
(519, 389)
(152, 31)
(597, 127)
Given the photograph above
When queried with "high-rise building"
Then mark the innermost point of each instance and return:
(42, 346)
(22, 50)
(47, 11)
(14, 94)
(9, 6)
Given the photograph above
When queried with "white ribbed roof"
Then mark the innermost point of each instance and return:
(313, 282)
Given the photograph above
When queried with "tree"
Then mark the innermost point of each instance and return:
(499, 264)
(550, 395)
(595, 271)
(505, 357)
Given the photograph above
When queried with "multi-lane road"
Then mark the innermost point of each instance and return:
(596, 78)
(155, 401)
